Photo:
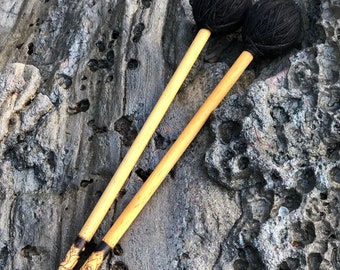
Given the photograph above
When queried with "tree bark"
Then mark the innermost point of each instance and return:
(257, 189)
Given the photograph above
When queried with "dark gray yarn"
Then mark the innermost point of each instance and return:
(220, 16)
(272, 27)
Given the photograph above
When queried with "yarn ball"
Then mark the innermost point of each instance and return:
(272, 27)
(220, 16)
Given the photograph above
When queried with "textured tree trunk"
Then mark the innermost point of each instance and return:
(258, 188)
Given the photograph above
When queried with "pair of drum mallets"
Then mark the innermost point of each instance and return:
(270, 28)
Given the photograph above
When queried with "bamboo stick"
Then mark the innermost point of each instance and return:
(136, 205)
(135, 151)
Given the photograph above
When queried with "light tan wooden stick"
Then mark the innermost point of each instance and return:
(135, 151)
(166, 164)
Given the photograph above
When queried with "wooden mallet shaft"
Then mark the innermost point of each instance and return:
(166, 164)
(126, 166)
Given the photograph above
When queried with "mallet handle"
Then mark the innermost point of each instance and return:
(135, 151)
(166, 164)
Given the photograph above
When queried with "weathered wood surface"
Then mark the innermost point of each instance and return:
(258, 189)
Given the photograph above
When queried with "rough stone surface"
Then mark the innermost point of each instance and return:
(258, 188)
